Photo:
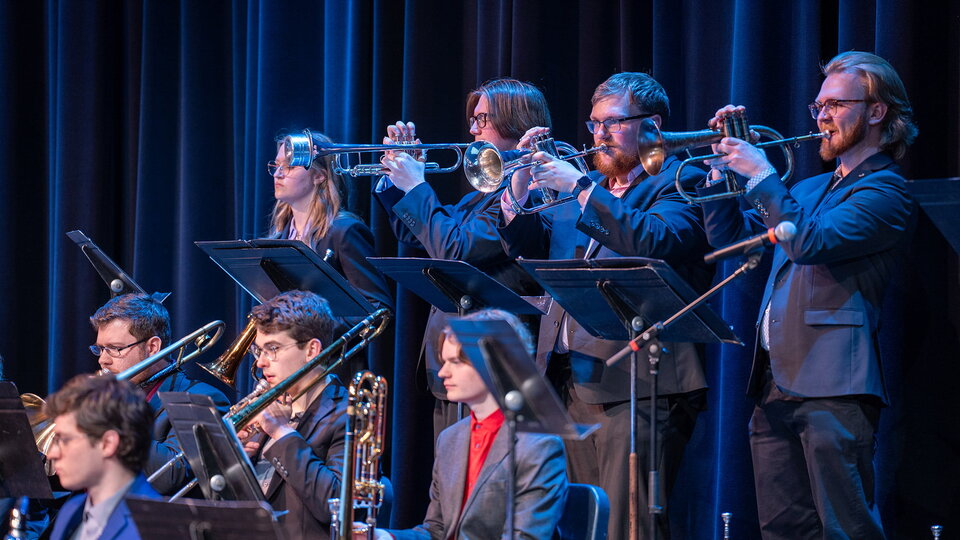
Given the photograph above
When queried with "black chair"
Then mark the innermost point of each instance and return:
(585, 514)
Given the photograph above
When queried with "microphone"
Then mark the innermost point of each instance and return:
(783, 232)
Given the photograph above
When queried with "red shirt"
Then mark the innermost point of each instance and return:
(482, 434)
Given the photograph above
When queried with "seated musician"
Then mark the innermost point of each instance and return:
(299, 456)
(470, 471)
(101, 442)
(131, 328)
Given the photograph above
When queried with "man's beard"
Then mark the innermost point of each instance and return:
(616, 163)
(838, 144)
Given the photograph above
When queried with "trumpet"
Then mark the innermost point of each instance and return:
(653, 147)
(486, 168)
(301, 150)
(363, 446)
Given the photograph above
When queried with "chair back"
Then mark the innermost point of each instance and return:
(585, 514)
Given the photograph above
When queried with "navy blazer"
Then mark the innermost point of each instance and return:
(465, 231)
(120, 526)
(308, 465)
(650, 220)
(541, 488)
(165, 444)
(825, 286)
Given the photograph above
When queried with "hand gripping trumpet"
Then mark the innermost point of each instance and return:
(363, 446)
(654, 146)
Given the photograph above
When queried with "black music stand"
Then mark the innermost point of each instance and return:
(116, 279)
(940, 199)
(527, 401)
(21, 467)
(637, 293)
(266, 268)
(211, 446)
(454, 286)
(199, 519)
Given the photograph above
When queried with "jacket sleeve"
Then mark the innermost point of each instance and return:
(669, 228)
(873, 216)
(388, 198)
(541, 489)
(312, 471)
(446, 232)
(725, 221)
(526, 236)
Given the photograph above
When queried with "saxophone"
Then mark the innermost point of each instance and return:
(359, 485)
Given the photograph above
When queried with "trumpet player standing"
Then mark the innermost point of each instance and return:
(498, 112)
(299, 457)
(131, 328)
(620, 212)
(816, 373)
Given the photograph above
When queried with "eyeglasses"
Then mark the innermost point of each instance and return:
(480, 119)
(60, 441)
(273, 167)
(271, 350)
(612, 125)
(830, 106)
(97, 350)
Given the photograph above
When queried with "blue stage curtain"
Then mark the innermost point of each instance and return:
(147, 125)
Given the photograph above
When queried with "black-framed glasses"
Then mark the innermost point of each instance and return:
(612, 125)
(271, 349)
(114, 352)
(273, 167)
(831, 106)
(480, 119)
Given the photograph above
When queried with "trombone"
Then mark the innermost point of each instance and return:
(486, 168)
(301, 150)
(653, 147)
(201, 339)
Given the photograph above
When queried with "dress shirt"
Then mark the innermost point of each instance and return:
(95, 516)
(482, 434)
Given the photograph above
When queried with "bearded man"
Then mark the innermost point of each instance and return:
(621, 211)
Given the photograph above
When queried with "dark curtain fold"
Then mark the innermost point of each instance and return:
(147, 125)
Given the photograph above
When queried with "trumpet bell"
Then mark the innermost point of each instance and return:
(483, 166)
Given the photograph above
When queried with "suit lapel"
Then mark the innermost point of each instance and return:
(498, 452)
(459, 451)
(312, 420)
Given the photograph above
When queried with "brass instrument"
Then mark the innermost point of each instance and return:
(364, 331)
(43, 426)
(225, 366)
(301, 150)
(18, 520)
(201, 339)
(486, 168)
(363, 446)
(653, 147)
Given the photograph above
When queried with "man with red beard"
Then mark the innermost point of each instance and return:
(817, 373)
(620, 212)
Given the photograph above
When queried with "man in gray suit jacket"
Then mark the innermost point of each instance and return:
(817, 372)
(470, 471)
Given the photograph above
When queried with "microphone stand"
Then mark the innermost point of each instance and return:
(649, 339)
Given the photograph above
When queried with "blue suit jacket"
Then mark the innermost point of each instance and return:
(650, 220)
(120, 526)
(826, 285)
(165, 444)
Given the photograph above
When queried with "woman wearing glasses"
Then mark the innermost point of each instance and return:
(310, 207)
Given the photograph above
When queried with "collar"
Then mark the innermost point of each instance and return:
(299, 407)
(99, 514)
(490, 424)
(874, 163)
(632, 176)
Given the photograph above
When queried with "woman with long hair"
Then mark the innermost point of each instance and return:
(310, 207)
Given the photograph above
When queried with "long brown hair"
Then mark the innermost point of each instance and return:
(326, 202)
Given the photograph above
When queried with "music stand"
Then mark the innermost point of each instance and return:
(454, 286)
(21, 467)
(265, 268)
(524, 396)
(195, 519)
(211, 447)
(637, 293)
(940, 199)
(116, 279)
